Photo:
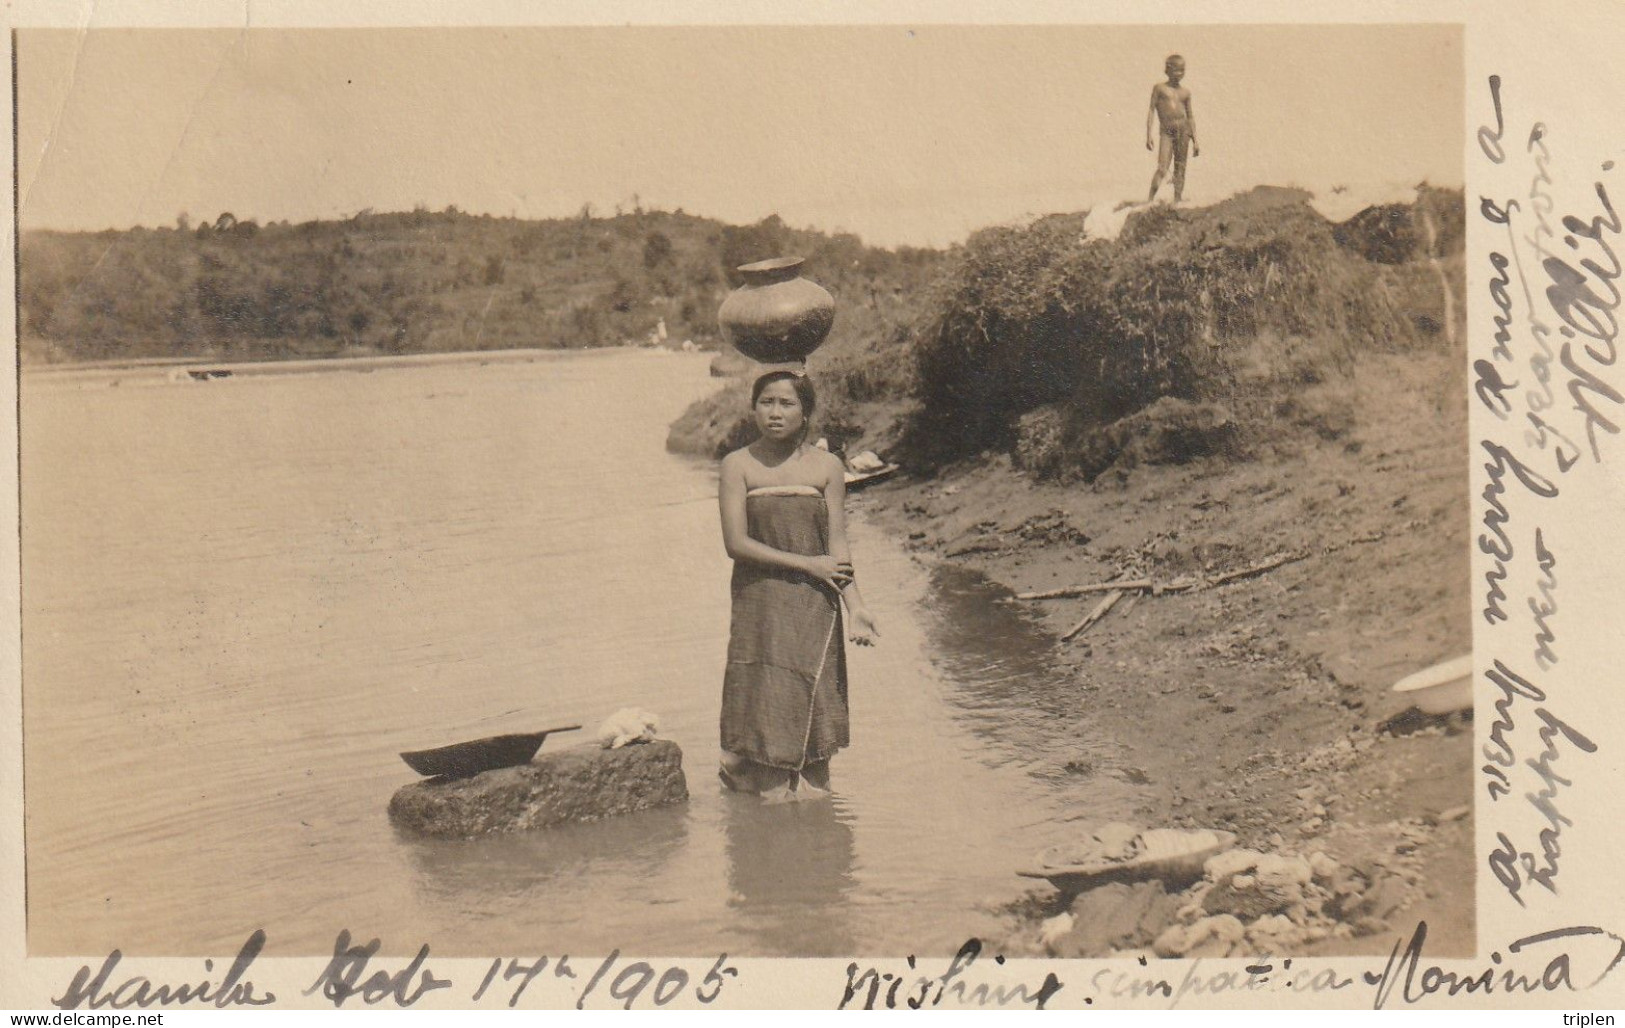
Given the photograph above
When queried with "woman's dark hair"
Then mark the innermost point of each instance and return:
(800, 383)
(803, 389)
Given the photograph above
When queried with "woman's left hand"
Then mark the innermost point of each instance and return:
(863, 629)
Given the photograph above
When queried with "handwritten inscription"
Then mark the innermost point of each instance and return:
(342, 978)
(1579, 291)
(634, 978)
(1496, 541)
(1549, 376)
(1570, 959)
(234, 990)
(1564, 960)
(1513, 865)
(871, 988)
(355, 972)
(1585, 299)
(1201, 979)
(1544, 608)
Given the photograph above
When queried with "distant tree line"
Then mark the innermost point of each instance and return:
(412, 282)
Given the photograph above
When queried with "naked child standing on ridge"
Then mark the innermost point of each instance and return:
(1171, 106)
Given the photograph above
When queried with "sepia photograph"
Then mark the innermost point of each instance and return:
(865, 523)
(882, 497)
(762, 489)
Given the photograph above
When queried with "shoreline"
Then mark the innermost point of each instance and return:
(1261, 705)
(366, 363)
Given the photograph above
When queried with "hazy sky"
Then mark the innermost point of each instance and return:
(903, 135)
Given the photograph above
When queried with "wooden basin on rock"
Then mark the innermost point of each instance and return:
(465, 759)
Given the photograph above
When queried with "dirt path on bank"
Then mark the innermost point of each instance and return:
(1261, 705)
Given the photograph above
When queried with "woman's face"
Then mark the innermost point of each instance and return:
(778, 412)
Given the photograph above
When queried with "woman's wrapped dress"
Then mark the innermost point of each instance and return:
(784, 692)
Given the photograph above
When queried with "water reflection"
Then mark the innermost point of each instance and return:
(790, 868)
(1013, 691)
(559, 866)
(1022, 654)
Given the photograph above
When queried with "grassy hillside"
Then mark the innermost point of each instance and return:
(1209, 327)
(411, 283)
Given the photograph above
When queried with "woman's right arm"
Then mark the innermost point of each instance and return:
(735, 536)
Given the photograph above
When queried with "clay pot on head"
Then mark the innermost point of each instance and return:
(776, 316)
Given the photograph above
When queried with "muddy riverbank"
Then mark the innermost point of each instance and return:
(1263, 705)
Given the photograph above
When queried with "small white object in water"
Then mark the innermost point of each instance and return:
(866, 461)
(1441, 689)
(627, 725)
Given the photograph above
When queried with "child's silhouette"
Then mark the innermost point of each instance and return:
(1171, 106)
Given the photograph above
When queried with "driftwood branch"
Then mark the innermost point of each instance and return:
(1071, 591)
(1139, 585)
(1100, 611)
(1254, 569)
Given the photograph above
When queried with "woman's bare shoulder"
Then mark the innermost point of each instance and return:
(831, 465)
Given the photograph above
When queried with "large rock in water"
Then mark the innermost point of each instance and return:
(585, 783)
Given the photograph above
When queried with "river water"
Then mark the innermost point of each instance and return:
(242, 598)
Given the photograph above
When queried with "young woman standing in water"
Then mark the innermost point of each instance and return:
(784, 711)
